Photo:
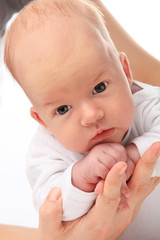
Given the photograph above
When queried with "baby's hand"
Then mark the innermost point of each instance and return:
(87, 172)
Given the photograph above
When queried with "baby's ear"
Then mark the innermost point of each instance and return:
(126, 67)
(35, 116)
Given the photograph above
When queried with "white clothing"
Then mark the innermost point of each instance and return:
(49, 164)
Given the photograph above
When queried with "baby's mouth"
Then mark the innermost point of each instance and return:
(103, 134)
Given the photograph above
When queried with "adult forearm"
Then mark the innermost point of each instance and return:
(8, 232)
(144, 66)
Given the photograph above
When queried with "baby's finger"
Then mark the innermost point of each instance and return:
(117, 151)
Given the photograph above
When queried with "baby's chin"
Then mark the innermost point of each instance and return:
(85, 149)
(79, 149)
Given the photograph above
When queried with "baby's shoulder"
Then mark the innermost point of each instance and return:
(143, 92)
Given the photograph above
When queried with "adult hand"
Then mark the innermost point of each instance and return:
(141, 183)
(89, 226)
(109, 217)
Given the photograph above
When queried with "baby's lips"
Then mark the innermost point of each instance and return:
(103, 135)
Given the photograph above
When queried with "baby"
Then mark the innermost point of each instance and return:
(83, 94)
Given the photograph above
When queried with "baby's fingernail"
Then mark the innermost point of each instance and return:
(122, 170)
(54, 194)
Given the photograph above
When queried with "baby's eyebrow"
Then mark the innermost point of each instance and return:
(50, 104)
(98, 76)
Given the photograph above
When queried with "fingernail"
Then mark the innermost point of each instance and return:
(54, 194)
(122, 170)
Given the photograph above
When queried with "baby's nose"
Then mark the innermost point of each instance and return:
(90, 115)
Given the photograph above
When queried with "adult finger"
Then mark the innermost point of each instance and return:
(107, 203)
(50, 216)
(145, 166)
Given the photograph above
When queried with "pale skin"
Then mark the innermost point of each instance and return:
(101, 112)
(79, 126)
(142, 181)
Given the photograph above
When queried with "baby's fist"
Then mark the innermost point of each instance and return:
(87, 172)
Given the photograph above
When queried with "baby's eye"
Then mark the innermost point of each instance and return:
(63, 109)
(100, 87)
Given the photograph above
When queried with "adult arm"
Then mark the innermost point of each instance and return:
(8, 232)
(144, 66)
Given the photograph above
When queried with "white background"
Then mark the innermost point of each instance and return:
(141, 19)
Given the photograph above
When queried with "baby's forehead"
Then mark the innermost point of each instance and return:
(35, 22)
(37, 16)
(56, 36)
(38, 35)
(42, 20)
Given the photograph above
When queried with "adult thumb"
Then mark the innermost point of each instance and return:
(50, 215)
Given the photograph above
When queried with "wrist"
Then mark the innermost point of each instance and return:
(78, 180)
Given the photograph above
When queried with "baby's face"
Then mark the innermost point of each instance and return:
(87, 100)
